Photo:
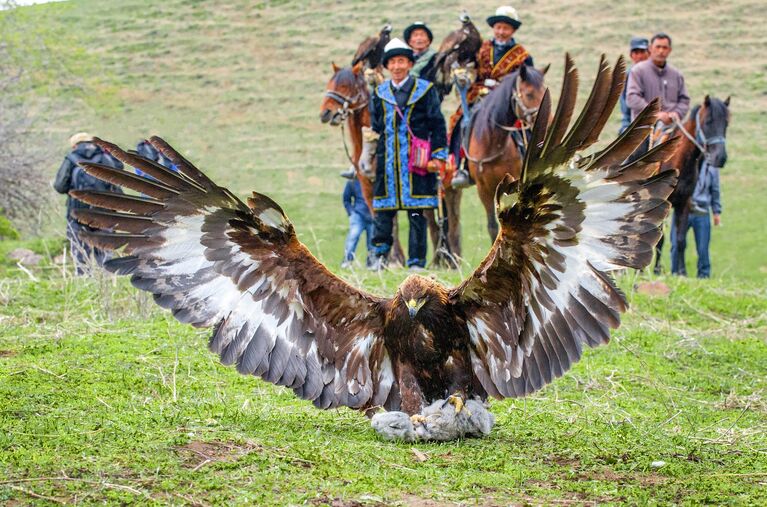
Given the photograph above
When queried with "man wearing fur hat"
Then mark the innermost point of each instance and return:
(496, 58)
(405, 107)
(419, 37)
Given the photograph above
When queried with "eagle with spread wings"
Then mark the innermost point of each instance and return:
(522, 318)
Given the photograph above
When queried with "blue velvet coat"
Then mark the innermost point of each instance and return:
(395, 186)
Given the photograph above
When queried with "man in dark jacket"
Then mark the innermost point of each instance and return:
(403, 107)
(71, 176)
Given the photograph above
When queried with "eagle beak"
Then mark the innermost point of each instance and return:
(412, 308)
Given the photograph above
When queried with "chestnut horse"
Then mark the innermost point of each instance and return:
(703, 141)
(497, 134)
(346, 100)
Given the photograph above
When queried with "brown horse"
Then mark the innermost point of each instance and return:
(703, 140)
(497, 134)
(346, 100)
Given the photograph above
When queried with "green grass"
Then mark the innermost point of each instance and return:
(104, 398)
(110, 400)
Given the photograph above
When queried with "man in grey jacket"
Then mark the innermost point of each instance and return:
(655, 77)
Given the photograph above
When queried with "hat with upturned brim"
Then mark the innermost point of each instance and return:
(80, 137)
(418, 25)
(505, 14)
(396, 47)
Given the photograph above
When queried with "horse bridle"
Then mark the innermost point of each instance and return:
(700, 140)
(347, 103)
(524, 113)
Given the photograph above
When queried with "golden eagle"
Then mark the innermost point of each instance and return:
(371, 50)
(458, 49)
(520, 320)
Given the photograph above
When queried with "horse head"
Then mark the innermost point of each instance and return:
(711, 121)
(528, 92)
(346, 92)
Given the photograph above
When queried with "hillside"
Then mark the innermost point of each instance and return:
(106, 399)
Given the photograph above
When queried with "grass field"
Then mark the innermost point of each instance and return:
(104, 398)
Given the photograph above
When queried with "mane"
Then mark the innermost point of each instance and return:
(496, 108)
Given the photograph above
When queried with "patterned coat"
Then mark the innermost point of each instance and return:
(395, 186)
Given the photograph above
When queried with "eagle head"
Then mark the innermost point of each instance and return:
(416, 291)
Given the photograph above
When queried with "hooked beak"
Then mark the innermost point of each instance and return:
(412, 308)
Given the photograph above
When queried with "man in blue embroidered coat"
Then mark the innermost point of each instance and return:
(396, 187)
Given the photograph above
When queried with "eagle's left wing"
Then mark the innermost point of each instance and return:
(544, 289)
(214, 261)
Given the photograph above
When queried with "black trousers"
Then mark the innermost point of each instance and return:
(383, 238)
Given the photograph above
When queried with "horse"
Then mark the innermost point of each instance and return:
(346, 99)
(703, 140)
(496, 137)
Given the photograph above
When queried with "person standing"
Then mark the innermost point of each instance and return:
(638, 52)
(360, 220)
(404, 111)
(496, 58)
(705, 201)
(71, 176)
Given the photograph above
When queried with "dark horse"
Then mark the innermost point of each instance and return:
(703, 141)
(496, 138)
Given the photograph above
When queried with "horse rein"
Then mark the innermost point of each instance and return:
(347, 107)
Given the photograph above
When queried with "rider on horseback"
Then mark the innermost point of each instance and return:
(497, 58)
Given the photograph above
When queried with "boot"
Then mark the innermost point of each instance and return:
(461, 179)
(349, 173)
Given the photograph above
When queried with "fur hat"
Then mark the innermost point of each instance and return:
(505, 14)
(396, 47)
(80, 137)
(418, 25)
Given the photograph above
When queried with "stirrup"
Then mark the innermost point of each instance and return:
(349, 173)
(461, 179)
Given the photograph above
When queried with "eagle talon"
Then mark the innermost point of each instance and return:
(417, 419)
(457, 401)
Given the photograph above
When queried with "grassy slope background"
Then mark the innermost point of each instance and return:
(104, 398)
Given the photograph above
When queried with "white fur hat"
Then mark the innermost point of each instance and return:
(505, 14)
(396, 47)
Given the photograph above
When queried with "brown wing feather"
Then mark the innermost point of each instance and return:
(277, 312)
(544, 291)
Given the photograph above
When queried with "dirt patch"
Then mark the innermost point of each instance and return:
(338, 502)
(7, 353)
(197, 454)
(656, 288)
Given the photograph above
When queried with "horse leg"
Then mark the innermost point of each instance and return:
(431, 223)
(658, 253)
(487, 196)
(397, 254)
(679, 241)
(453, 203)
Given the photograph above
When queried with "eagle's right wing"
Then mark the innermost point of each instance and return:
(277, 312)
